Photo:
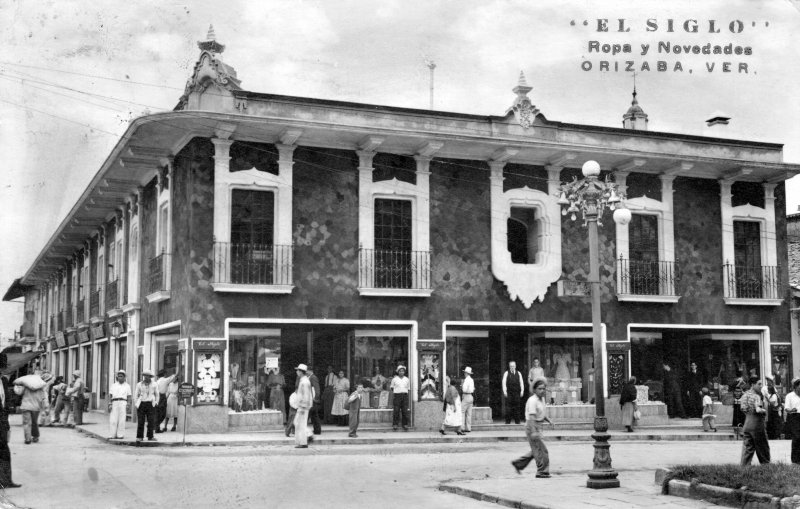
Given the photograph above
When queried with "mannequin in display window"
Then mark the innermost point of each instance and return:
(535, 373)
(277, 399)
(563, 361)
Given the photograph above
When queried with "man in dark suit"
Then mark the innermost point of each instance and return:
(317, 407)
(5, 452)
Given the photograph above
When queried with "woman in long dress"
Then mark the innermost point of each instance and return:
(277, 400)
(562, 361)
(172, 405)
(627, 400)
(453, 418)
(341, 391)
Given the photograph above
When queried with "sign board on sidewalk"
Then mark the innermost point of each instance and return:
(185, 391)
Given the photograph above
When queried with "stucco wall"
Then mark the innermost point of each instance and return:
(325, 222)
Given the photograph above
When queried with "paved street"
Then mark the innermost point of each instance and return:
(68, 469)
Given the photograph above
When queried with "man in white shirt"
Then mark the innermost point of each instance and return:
(119, 404)
(146, 400)
(161, 410)
(467, 398)
(513, 388)
(791, 407)
(400, 386)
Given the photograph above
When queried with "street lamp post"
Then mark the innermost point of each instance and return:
(590, 196)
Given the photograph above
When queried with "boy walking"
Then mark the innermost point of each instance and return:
(354, 406)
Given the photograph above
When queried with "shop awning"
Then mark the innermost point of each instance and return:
(17, 360)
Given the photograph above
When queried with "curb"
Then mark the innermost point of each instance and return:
(725, 496)
(477, 495)
(393, 440)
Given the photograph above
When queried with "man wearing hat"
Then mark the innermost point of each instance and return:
(74, 394)
(467, 391)
(145, 400)
(400, 386)
(305, 399)
(792, 409)
(119, 404)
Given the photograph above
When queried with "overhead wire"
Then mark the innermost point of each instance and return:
(312, 149)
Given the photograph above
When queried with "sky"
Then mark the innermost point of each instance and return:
(73, 75)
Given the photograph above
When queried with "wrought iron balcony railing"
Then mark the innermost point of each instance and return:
(80, 311)
(112, 294)
(94, 302)
(252, 264)
(394, 269)
(752, 282)
(637, 277)
(157, 280)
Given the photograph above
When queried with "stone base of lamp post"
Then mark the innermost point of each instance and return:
(602, 475)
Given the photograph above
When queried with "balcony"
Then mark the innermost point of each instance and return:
(752, 285)
(112, 295)
(646, 281)
(158, 279)
(80, 314)
(394, 273)
(94, 302)
(256, 268)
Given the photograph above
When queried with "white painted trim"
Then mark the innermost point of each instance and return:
(664, 211)
(394, 292)
(734, 301)
(663, 299)
(766, 219)
(526, 282)
(467, 334)
(158, 296)
(419, 196)
(363, 333)
(242, 288)
(562, 334)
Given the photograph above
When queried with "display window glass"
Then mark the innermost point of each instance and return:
(254, 371)
(472, 352)
(373, 362)
(568, 366)
(694, 363)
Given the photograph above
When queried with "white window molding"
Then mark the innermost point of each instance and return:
(769, 251)
(225, 182)
(664, 211)
(526, 282)
(164, 185)
(419, 196)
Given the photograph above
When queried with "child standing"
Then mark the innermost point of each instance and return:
(709, 422)
(354, 406)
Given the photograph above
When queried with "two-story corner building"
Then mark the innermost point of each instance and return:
(244, 233)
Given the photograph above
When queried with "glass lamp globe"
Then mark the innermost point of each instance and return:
(622, 216)
(591, 169)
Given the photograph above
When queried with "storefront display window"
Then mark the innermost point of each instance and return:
(254, 365)
(782, 368)
(373, 362)
(720, 361)
(568, 366)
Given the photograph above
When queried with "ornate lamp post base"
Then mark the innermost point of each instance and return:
(602, 475)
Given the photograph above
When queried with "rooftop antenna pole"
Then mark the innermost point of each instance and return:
(431, 66)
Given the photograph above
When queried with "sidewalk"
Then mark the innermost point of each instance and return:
(637, 490)
(96, 425)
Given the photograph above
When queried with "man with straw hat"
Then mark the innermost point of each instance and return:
(467, 399)
(400, 386)
(304, 400)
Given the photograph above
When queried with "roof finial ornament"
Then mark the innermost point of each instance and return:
(635, 117)
(211, 44)
(524, 111)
